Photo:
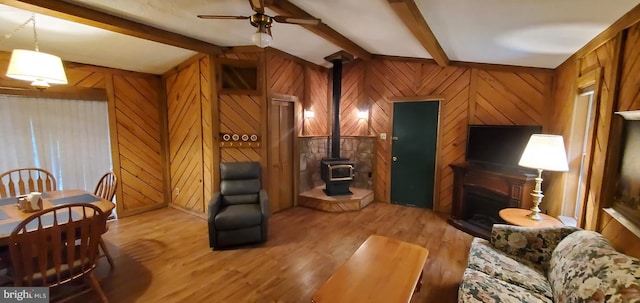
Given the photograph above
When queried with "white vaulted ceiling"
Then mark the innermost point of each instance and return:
(536, 33)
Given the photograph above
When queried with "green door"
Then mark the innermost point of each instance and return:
(415, 129)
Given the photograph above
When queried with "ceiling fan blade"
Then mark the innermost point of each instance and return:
(294, 20)
(257, 6)
(222, 17)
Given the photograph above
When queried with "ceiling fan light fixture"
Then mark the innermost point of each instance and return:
(261, 37)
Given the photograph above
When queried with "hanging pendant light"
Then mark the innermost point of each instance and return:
(40, 68)
(262, 37)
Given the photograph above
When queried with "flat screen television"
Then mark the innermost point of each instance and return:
(499, 146)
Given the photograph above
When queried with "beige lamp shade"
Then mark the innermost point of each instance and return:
(545, 152)
(41, 68)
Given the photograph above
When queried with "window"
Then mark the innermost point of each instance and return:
(69, 138)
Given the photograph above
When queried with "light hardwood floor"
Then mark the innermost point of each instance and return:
(164, 255)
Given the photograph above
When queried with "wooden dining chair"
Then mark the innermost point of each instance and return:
(106, 189)
(58, 247)
(22, 181)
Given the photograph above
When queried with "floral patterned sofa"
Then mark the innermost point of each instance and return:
(559, 264)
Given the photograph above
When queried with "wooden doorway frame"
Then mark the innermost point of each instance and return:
(592, 78)
(436, 180)
(297, 126)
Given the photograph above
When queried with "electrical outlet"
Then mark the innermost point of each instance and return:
(383, 136)
(176, 191)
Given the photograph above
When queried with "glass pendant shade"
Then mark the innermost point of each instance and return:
(40, 68)
(261, 39)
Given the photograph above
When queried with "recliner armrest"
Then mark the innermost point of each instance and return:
(214, 206)
(264, 202)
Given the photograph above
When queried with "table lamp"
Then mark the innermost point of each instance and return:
(543, 152)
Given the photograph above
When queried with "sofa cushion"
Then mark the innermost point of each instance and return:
(485, 258)
(240, 199)
(238, 216)
(585, 268)
(477, 286)
(533, 244)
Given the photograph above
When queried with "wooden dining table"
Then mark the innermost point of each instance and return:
(11, 216)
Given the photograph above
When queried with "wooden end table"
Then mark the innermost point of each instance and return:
(382, 270)
(518, 216)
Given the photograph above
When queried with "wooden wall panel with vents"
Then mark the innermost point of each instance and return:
(135, 122)
(242, 114)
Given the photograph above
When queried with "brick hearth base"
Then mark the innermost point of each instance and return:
(316, 198)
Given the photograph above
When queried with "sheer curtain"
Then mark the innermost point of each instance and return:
(69, 138)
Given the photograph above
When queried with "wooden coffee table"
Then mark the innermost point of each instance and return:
(381, 270)
(518, 216)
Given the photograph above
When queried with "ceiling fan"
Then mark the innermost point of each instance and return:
(262, 37)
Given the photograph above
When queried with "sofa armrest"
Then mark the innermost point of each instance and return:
(532, 244)
(264, 203)
(214, 207)
(264, 208)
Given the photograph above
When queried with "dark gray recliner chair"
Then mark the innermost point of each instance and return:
(239, 213)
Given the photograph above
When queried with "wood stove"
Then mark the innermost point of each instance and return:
(337, 172)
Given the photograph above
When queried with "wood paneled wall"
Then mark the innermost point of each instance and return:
(136, 126)
(286, 77)
(605, 58)
(507, 97)
(189, 123)
(618, 60)
(317, 99)
(138, 129)
(620, 237)
(410, 78)
(242, 114)
(353, 99)
(565, 89)
(479, 95)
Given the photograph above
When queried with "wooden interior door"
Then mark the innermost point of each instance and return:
(281, 132)
(413, 166)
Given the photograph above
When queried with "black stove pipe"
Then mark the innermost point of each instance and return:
(337, 91)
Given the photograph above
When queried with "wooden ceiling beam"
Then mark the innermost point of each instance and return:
(87, 16)
(409, 13)
(284, 7)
